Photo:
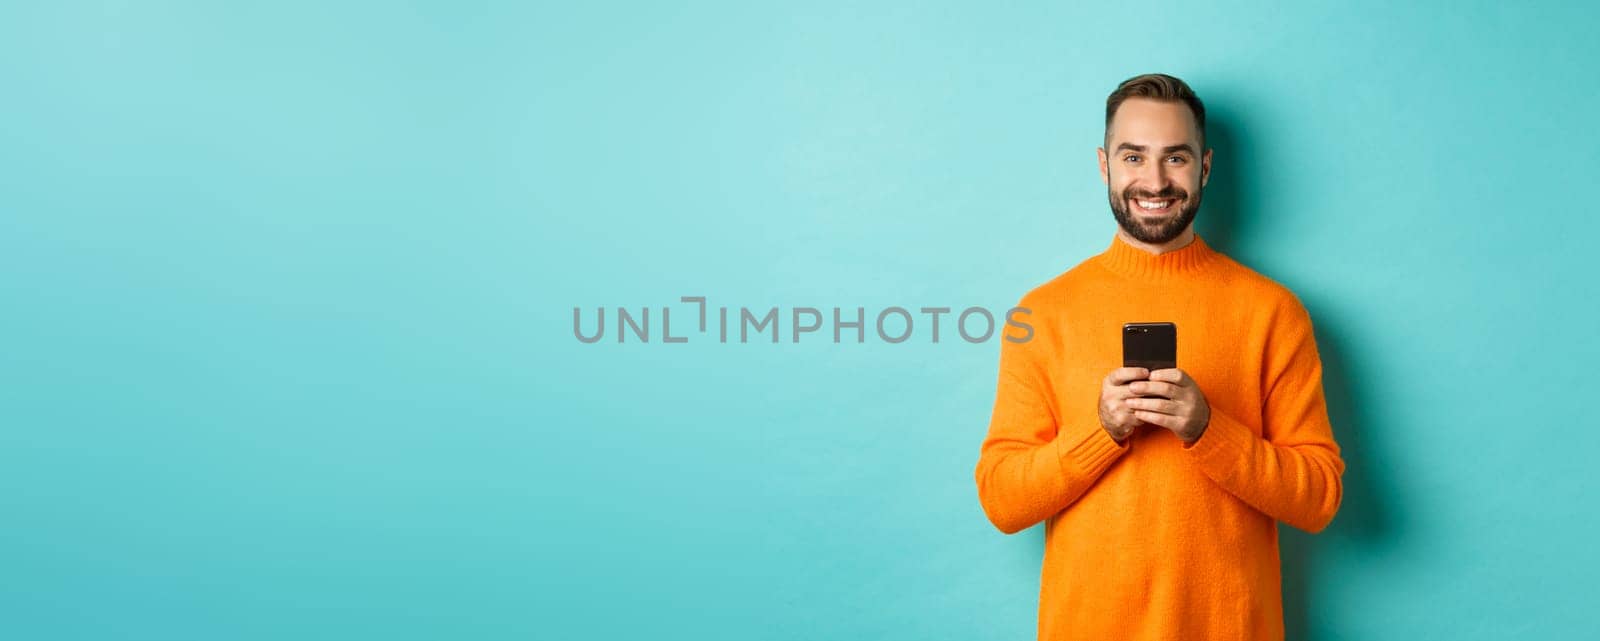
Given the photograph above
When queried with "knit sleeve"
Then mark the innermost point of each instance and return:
(1030, 467)
(1293, 471)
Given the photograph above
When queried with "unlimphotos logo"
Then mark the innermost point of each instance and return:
(894, 324)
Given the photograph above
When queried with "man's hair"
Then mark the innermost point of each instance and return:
(1156, 86)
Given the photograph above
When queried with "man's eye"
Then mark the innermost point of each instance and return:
(1131, 158)
(1177, 159)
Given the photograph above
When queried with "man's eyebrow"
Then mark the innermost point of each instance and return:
(1166, 150)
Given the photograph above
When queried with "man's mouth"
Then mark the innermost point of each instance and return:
(1161, 206)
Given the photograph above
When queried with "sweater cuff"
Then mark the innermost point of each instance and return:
(1224, 443)
(1089, 453)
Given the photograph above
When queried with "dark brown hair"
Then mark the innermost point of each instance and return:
(1157, 86)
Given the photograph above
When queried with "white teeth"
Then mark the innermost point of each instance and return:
(1153, 204)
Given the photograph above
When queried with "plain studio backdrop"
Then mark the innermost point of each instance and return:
(288, 297)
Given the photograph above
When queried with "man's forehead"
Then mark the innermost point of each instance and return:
(1153, 124)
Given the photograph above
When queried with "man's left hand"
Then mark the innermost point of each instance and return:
(1180, 406)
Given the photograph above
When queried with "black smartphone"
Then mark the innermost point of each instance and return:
(1150, 345)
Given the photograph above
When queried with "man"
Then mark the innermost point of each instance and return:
(1161, 499)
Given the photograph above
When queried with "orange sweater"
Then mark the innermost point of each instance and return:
(1152, 539)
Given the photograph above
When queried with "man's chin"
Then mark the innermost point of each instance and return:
(1156, 233)
(1150, 225)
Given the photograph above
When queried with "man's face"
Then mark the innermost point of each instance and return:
(1153, 168)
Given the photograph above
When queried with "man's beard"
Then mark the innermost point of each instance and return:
(1164, 231)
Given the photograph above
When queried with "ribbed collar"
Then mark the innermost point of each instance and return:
(1131, 261)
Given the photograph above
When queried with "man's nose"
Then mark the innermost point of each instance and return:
(1155, 178)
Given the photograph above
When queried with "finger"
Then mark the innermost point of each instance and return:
(1123, 375)
(1117, 393)
(1155, 418)
(1171, 375)
(1157, 405)
(1149, 388)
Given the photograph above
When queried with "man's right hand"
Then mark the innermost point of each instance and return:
(1115, 416)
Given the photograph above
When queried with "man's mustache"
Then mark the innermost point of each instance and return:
(1170, 192)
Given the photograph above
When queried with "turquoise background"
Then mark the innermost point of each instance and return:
(288, 294)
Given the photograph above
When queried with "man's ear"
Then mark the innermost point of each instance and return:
(1205, 168)
(1105, 177)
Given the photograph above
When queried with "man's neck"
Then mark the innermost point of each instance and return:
(1175, 244)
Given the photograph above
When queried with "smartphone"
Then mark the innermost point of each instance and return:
(1150, 345)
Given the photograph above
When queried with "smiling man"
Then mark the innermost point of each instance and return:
(1160, 491)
